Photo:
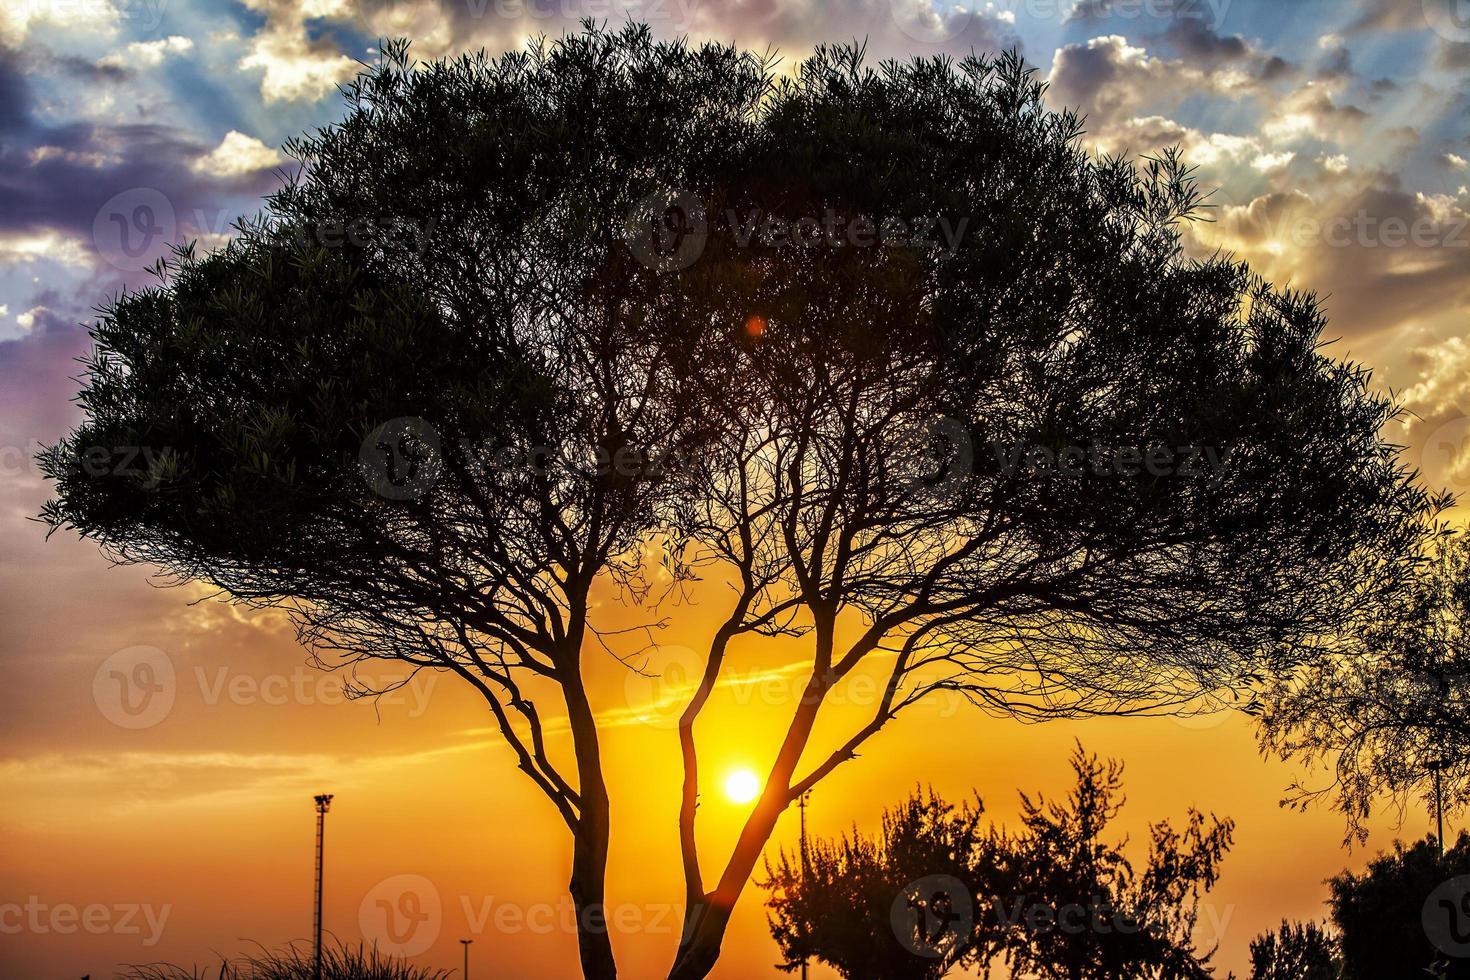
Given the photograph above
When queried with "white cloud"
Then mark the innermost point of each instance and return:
(236, 154)
(17, 247)
(27, 320)
(1267, 162)
(147, 53)
(19, 17)
(294, 69)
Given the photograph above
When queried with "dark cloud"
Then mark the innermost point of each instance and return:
(1338, 65)
(58, 177)
(1201, 46)
(1195, 39)
(1453, 56)
(15, 95)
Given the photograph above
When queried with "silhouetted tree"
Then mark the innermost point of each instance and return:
(1388, 708)
(428, 402)
(1384, 916)
(1053, 900)
(933, 455)
(1102, 919)
(1296, 951)
(959, 390)
(905, 904)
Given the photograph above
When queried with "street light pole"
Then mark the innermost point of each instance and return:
(323, 803)
(1438, 767)
(466, 944)
(801, 805)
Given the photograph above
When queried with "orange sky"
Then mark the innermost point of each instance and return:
(204, 820)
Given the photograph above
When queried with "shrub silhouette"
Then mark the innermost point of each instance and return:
(934, 890)
(295, 961)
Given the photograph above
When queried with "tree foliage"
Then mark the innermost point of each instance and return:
(1296, 951)
(1382, 915)
(847, 901)
(1388, 709)
(1052, 900)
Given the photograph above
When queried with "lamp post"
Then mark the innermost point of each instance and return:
(801, 805)
(323, 803)
(466, 944)
(1438, 767)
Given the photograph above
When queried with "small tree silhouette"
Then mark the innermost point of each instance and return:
(1053, 900)
(1405, 916)
(1295, 952)
(861, 904)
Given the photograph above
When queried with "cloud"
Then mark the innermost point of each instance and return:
(1383, 258)
(18, 18)
(146, 53)
(16, 247)
(296, 69)
(1389, 15)
(1312, 111)
(1193, 38)
(1452, 55)
(1111, 79)
(295, 66)
(237, 154)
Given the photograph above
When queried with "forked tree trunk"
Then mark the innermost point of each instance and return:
(707, 918)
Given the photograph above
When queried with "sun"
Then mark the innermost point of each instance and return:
(742, 786)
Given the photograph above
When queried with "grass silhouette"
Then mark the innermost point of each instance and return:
(294, 961)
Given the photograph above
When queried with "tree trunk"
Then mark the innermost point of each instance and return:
(699, 948)
(706, 920)
(589, 872)
(588, 886)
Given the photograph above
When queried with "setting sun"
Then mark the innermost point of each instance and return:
(742, 786)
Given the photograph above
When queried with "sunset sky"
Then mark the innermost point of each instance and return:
(1336, 137)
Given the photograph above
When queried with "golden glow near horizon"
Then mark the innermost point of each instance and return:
(742, 785)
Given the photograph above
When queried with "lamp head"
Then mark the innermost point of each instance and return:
(323, 802)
